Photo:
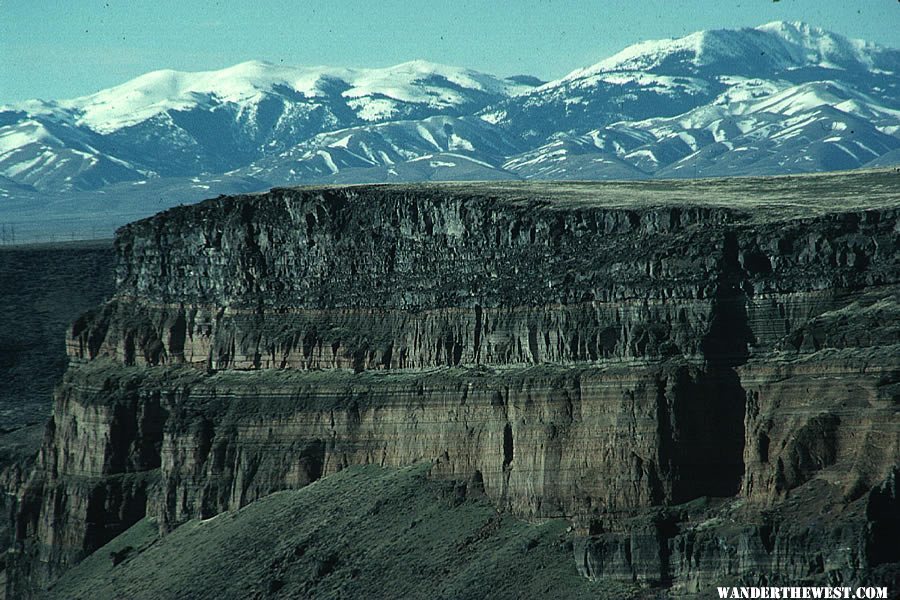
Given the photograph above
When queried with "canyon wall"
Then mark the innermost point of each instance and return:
(706, 387)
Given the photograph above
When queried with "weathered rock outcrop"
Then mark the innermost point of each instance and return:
(672, 374)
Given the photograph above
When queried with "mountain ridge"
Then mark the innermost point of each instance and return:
(787, 97)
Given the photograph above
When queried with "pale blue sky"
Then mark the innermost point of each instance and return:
(51, 49)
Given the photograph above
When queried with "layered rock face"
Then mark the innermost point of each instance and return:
(702, 376)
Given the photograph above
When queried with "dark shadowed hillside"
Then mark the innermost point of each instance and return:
(43, 288)
(366, 532)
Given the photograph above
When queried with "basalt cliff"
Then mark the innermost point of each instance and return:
(701, 376)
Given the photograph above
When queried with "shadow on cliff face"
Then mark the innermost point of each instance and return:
(883, 514)
(717, 470)
(701, 411)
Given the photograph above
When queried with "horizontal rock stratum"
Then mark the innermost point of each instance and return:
(701, 375)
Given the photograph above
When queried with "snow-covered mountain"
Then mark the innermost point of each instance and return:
(169, 123)
(779, 98)
(468, 140)
(754, 127)
(371, 95)
(667, 78)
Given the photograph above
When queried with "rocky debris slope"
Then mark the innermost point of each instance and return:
(701, 376)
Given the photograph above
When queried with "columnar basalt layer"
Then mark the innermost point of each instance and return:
(381, 277)
(575, 351)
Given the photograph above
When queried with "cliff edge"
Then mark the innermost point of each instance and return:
(701, 376)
